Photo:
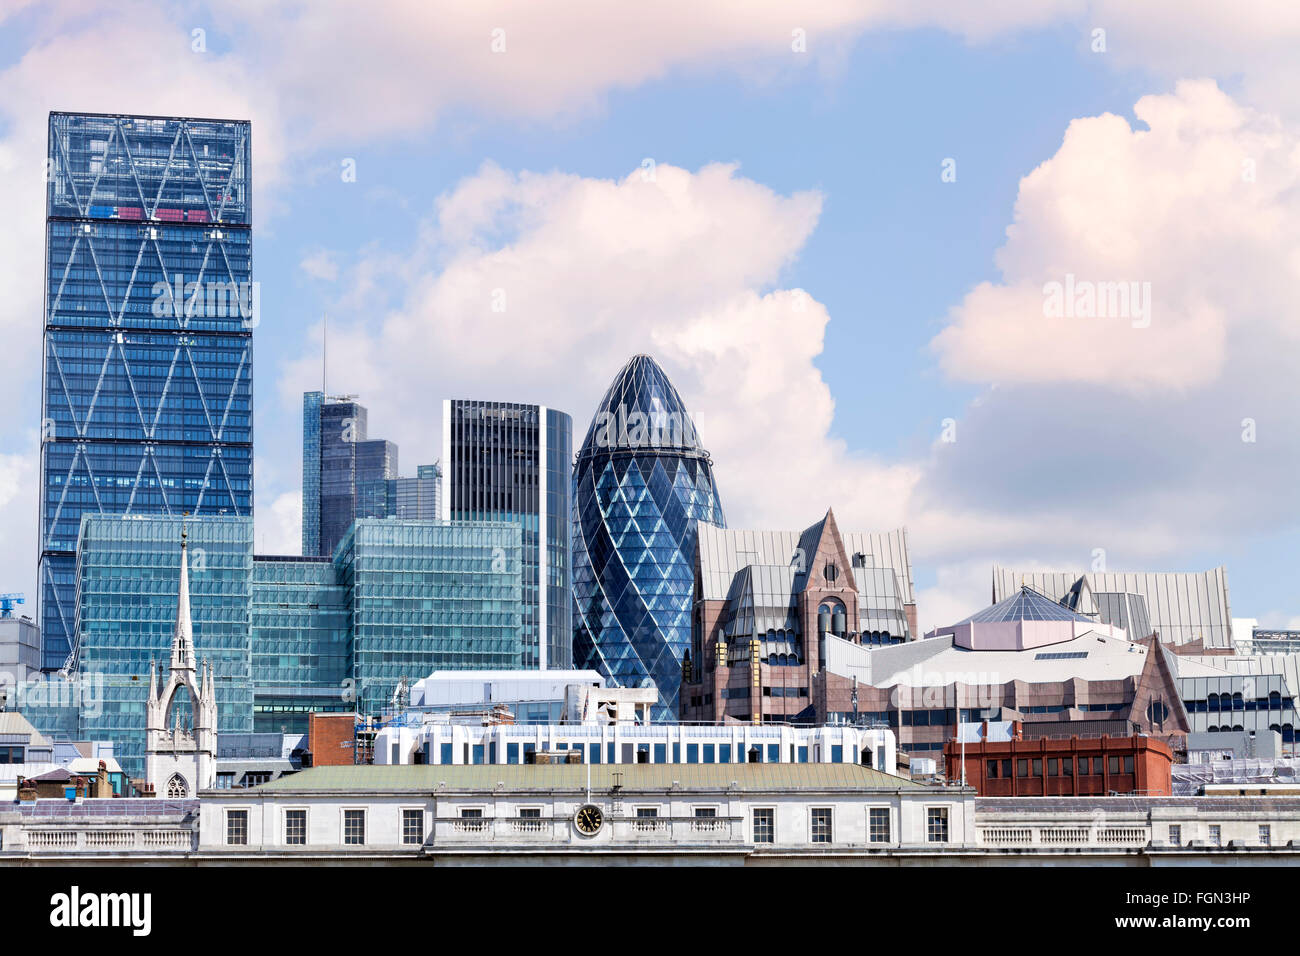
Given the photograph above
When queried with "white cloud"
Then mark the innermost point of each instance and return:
(1202, 208)
(320, 264)
(278, 529)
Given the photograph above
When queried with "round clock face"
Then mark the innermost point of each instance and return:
(589, 819)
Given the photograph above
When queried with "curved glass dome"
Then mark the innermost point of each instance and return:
(641, 482)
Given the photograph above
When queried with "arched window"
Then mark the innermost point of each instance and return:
(1238, 702)
(1214, 703)
(176, 788)
(1274, 700)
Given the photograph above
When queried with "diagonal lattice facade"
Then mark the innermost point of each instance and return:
(149, 311)
(641, 484)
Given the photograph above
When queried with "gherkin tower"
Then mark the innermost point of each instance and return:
(641, 482)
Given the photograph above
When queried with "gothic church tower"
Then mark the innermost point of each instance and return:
(182, 760)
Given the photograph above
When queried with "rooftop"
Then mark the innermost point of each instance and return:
(1026, 605)
(549, 777)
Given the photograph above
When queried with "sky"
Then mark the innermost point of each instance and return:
(862, 239)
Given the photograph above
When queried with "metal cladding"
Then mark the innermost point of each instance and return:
(642, 481)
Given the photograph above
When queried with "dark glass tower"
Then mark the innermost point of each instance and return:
(512, 462)
(641, 482)
(147, 403)
(338, 463)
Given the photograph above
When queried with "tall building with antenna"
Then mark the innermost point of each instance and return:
(147, 392)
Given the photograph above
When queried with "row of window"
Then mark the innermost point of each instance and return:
(1058, 766)
(821, 822)
(1265, 834)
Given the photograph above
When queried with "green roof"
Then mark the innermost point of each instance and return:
(638, 777)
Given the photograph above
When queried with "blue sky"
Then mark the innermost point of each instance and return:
(1109, 441)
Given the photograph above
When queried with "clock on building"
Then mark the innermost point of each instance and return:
(589, 819)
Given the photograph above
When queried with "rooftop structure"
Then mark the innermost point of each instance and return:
(1188, 611)
(767, 604)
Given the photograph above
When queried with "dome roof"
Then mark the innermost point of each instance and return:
(642, 412)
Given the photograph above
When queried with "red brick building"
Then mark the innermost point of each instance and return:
(1063, 768)
(331, 739)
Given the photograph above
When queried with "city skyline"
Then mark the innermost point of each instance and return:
(1117, 443)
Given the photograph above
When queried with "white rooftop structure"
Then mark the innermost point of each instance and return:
(487, 687)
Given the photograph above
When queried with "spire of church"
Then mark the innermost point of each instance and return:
(183, 638)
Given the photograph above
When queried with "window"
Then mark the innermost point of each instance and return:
(878, 824)
(821, 825)
(1006, 768)
(1175, 835)
(936, 825)
(992, 769)
(706, 812)
(236, 828)
(1216, 835)
(1265, 835)
(530, 819)
(1067, 766)
(176, 788)
(765, 825)
(1052, 763)
(1038, 767)
(1128, 764)
(1022, 768)
(647, 813)
(413, 827)
(295, 827)
(354, 827)
(472, 819)
(1114, 765)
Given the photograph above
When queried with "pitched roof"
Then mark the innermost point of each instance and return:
(1026, 605)
(551, 777)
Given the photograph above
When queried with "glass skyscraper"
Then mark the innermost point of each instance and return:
(510, 462)
(429, 595)
(401, 497)
(338, 459)
(301, 642)
(147, 395)
(641, 484)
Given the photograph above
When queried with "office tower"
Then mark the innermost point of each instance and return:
(301, 642)
(401, 497)
(128, 576)
(509, 462)
(338, 457)
(641, 484)
(147, 394)
(427, 596)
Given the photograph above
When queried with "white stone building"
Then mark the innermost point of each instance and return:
(708, 812)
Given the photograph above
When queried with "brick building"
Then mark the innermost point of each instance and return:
(767, 605)
(1050, 767)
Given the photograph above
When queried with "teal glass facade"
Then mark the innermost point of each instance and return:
(301, 642)
(128, 573)
(285, 635)
(430, 595)
(149, 311)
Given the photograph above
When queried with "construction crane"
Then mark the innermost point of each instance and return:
(7, 602)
